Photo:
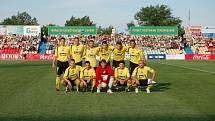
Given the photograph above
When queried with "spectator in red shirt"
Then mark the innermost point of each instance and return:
(104, 77)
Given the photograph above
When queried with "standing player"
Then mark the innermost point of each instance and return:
(122, 76)
(118, 54)
(88, 76)
(90, 53)
(62, 56)
(104, 77)
(71, 76)
(135, 55)
(77, 51)
(105, 52)
(140, 76)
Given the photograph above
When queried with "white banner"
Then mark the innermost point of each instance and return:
(3, 30)
(175, 57)
(32, 30)
(208, 29)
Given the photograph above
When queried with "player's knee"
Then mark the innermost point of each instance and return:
(129, 81)
(77, 81)
(137, 82)
(103, 85)
(84, 83)
(63, 82)
(69, 83)
(133, 81)
(81, 85)
(122, 82)
(115, 82)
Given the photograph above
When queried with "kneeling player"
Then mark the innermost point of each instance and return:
(88, 76)
(122, 76)
(71, 76)
(104, 77)
(140, 76)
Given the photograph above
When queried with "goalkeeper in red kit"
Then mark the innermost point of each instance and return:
(104, 77)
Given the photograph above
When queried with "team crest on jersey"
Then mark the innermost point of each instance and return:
(104, 54)
(119, 54)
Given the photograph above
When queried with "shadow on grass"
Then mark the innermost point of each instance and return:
(160, 87)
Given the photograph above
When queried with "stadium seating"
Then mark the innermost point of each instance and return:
(9, 50)
(202, 50)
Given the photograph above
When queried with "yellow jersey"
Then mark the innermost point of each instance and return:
(77, 52)
(105, 54)
(142, 73)
(135, 55)
(87, 74)
(121, 73)
(90, 54)
(72, 73)
(62, 53)
(119, 55)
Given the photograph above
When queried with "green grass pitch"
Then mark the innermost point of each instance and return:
(185, 92)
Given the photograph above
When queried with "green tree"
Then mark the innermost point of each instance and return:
(84, 21)
(104, 31)
(44, 28)
(159, 15)
(130, 24)
(20, 19)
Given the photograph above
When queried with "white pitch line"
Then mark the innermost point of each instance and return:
(189, 68)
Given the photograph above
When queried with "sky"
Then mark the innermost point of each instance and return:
(107, 12)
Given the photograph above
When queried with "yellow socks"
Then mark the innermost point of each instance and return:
(58, 82)
(149, 86)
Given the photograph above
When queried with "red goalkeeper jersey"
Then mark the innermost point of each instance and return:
(102, 72)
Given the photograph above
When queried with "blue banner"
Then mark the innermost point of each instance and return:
(156, 57)
(209, 35)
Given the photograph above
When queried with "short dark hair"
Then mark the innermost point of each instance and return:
(119, 43)
(77, 38)
(103, 61)
(122, 62)
(73, 60)
(91, 41)
(132, 41)
(87, 62)
(104, 43)
(62, 38)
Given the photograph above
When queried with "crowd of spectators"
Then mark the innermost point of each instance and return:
(30, 44)
(145, 42)
(19, 44)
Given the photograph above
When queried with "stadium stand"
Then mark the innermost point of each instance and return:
(19, 44)
(15, 44)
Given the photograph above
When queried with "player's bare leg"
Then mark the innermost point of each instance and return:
(84, 85)
(115, 82)
(81, 85)
(129, 83)
(148, 89)
(77, 82)
(58, 83)
(135, 84)
(110, 85)
(93, 83)
(66, 83)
